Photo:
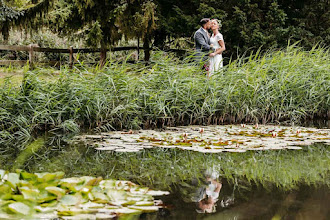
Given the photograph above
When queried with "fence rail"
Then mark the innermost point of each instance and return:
(32, 48)
(71, 51)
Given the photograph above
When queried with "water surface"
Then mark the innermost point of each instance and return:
(283, 184)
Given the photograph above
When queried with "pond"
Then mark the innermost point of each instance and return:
(279, 184)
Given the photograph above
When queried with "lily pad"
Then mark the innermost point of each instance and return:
(213, 139)
(144, 208)
(45, 195)
(69, 200)
(56, 191)
(13, 179)
(20, 208)
(2, 173)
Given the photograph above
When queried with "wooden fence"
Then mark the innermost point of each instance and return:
(31, 49)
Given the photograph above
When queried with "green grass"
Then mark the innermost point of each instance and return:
(286, 85)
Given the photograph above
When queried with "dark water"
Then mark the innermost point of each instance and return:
(303, 203)
(283, 184)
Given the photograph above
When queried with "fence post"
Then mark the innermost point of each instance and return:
(31, 56)
(146, 48)
(138, 49)
(71, 57)
(103, 57)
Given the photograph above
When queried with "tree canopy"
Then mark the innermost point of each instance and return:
(23, 14)
(246, 24)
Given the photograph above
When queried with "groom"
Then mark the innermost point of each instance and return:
(202, 41)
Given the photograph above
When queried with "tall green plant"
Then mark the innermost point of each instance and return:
(289, 85)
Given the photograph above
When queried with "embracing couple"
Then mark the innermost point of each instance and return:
(208, 47)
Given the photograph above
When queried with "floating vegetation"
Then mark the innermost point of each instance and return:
(211, 139)
(50, 196)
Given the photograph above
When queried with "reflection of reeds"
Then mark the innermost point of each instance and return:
(290, 84)
(163, 168)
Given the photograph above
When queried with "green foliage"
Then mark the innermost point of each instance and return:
(28, 16)
(247, 25)
(288, 85)
(92, 18)
(94, 36)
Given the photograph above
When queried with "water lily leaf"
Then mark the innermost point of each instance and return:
(46, 177)
(13, 179)
(105, 216)
(28, 176)
(44, 197)
(144, 203)
(44, 209)
(116, 195)
(69, 186)
(215, 138)
(90, 205)
(108, 184)
(20, 208)
(2, 173)
(125, 210)
(69, 200)
(5, 196)
(45, 190)
(74, 180)
(94, 181)
(86, 189)
(6, 216)
(56, 191)
(46, 215)
(59, 174)
(4, 190)
(79, 216)
(50, 203)
(157, 193)
(29, 194)
(144, 208)
(100, 197)
(18, 198)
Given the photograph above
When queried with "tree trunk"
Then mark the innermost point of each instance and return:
(5, 33)
(160, 38)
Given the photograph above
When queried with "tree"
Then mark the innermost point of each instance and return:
(21, 14)
(137, 20)
(102, 23)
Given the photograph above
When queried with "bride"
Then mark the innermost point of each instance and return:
(219, 45)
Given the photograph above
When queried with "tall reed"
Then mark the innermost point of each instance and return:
(285, 85)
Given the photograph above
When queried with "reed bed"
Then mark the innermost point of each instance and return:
(289, 85)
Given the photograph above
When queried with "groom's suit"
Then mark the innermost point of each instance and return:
(202, 45)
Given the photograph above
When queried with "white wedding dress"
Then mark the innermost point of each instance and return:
(216, 61)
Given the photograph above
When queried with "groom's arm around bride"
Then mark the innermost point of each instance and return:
(202, 40)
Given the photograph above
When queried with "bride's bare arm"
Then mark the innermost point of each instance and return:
(222, 48)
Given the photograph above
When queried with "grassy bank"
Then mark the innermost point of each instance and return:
(286, 85)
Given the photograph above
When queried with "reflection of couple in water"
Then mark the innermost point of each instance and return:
(204, 191)
(208, 195)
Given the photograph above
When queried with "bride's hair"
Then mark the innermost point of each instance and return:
(218, 21)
